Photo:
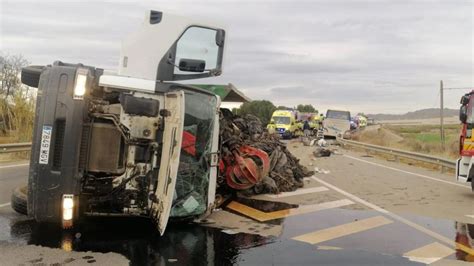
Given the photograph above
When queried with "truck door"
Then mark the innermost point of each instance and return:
(172, 137)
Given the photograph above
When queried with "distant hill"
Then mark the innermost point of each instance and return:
(419, 114)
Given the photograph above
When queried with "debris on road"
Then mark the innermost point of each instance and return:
(322, 143)
(321, 171)
(285, 171)
(322, 152)
(229, 232)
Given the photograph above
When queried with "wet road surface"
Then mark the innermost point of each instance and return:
(329, 222)
(186, 244)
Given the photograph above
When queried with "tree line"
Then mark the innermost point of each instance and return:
(17, 101)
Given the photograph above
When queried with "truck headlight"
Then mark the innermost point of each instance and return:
(68, 210)
(81, 84)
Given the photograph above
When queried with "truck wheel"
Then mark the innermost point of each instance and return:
(19, 199)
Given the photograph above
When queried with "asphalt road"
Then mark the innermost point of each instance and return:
(11, 176)
(355, 210)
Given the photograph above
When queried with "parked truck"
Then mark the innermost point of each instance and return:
(464, 165)
(135, 143)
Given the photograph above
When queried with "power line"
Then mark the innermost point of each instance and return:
(465, 88)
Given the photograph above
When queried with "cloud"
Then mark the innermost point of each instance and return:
(370, 56)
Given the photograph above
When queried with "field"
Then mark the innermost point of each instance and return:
(418, 138)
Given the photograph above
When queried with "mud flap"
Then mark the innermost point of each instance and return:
(172, 138)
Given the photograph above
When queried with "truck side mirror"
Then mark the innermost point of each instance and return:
(464, 100)
(463, 114)
(30, 75)
(192, 65)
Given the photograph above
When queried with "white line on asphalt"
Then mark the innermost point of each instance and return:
(4, 205)
(14, 165)
(429, 253)
(470, 216)
(406, 172)
(300, 191)
(418, 227)
(343, 230)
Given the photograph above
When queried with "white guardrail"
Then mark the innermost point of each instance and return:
(396, 153)
(15, 147)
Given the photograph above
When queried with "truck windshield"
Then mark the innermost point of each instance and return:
(470, 114)
(281, 120)
(343, 115)
(192, 182)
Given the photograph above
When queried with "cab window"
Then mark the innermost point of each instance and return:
(281, 120)
(470, 113)
(343, 115)
(198, 43)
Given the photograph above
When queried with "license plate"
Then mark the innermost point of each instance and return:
(45, 144)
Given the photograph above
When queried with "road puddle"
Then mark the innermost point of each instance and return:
(136, 239)
(342, 236)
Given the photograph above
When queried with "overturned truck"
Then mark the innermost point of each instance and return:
(137, 143)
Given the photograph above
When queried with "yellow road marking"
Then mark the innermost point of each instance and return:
(266, 216)
(464, 248)
(343, 230)
(429, 253)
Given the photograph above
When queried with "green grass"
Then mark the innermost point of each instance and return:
(419, 138)
(434, 137)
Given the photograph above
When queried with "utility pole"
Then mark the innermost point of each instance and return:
(441, 113)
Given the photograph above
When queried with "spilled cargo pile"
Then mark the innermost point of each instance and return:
(284, 172)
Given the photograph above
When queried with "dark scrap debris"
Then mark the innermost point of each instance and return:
(286, 173)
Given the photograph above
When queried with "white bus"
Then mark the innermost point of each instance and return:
(336, 123)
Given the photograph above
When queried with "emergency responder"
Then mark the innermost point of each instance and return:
(306, 128)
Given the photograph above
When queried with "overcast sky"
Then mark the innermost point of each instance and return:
(365, 56)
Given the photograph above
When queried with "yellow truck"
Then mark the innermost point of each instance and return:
(283, 122)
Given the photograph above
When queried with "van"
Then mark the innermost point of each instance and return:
(284, 123)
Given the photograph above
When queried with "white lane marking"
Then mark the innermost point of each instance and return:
(418, 227)
(429, 253)
(4, 205)
(297, 192)
(406, 172)
(14, 165)
(343, 230)
(470, 216)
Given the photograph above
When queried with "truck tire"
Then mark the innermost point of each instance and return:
(30, 75)
(19, 199)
